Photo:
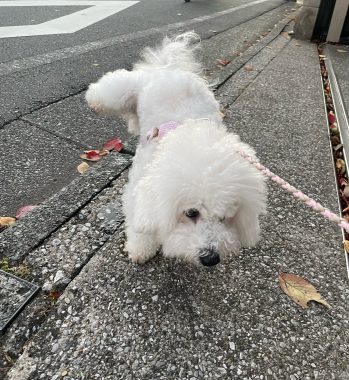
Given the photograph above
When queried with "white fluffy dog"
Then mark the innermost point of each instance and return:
(189, 189)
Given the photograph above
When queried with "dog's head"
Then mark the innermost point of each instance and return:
(199, 196)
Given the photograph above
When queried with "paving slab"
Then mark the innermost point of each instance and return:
(34, 165)
(21, 238)
(72, 119)
(169, 320)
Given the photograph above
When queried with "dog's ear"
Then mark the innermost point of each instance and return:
(115, 93)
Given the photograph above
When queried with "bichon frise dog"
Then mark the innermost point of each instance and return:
(189, 189)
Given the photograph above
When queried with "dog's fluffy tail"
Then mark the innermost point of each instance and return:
(174, 53)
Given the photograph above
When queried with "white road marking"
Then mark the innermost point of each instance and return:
(66, 53)
(71, 23)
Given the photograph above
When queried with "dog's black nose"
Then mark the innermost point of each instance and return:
(209, 257)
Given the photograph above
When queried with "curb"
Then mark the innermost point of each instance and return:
(17, 241)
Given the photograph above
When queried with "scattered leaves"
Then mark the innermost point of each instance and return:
(95, 154)
(223, 62)
(83, 167)
(300, 290)
(91, 155)
(113, 144)
(248, 68)
(24, 210)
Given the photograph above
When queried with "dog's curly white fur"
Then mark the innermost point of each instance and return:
(190, 191)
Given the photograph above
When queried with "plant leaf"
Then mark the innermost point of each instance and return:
(331, 117)
(300, 290)
(248, 68)
(83, 167)
(6, 221)
(113, 144)
(223, 62)
(91, 155)
(346, 245)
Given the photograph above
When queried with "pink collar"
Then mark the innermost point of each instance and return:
(161, 131)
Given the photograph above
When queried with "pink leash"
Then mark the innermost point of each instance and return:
(298, 194)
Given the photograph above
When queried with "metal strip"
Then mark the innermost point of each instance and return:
(342, 119)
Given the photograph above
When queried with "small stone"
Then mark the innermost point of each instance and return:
(56, 242)
(47, 287)
(155, 298)
(232, 346)
(59, 276)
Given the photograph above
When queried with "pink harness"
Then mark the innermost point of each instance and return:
(162, 130)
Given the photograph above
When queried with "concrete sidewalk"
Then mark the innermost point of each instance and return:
(166, 320)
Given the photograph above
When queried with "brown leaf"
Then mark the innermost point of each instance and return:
(83, 167)
(223, 62)
(54, 294)
(340, 166)
(300, 290)
(24, 210)
(103, 152)
(346, 245)
(113, 144)
(248, 68)
(7, 221)
(91, 155)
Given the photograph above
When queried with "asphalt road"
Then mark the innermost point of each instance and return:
(78, 42)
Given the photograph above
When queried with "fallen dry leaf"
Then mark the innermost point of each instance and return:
(83, 167)
(341, 51)
(340, 166)
(103, 152)
(91, 155)
(300, 290)
(248, 68)
(346, 245)
(113, 144)
(331, 117)
(24, 210)
(6, 221)
(223, 62)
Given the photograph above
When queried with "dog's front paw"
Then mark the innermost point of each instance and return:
(140, 251)
(138, 258)
(95, 107)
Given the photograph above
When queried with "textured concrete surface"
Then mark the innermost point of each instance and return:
(32, 166)
(168, 320)
(16, 242)
(72, 119)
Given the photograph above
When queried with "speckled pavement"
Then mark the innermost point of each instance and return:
(169, 320)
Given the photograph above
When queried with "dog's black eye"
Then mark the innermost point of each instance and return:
(192, 213)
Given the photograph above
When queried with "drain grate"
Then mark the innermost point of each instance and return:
(15, 293)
